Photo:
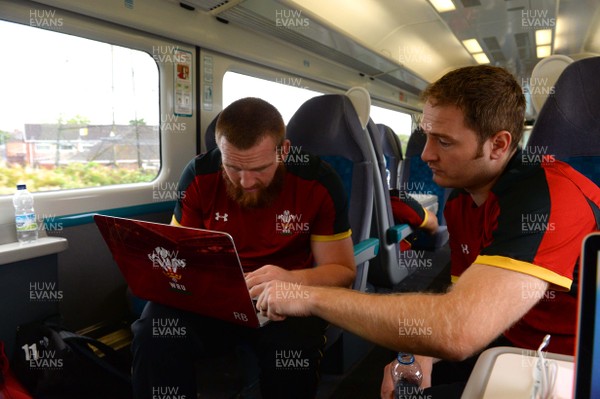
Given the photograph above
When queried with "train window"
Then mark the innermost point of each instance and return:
(399, 122)
(289, 93)
(75, 112)
(286, 93)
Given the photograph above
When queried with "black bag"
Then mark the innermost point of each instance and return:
(50, 360)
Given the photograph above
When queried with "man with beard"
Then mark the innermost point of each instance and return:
(516, 229)
(288, 217)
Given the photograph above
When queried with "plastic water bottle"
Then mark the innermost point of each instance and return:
(26, 222)
(407, 376)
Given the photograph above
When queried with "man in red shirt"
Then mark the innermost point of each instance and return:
(515, 227)
(407, 209)
(288, 218)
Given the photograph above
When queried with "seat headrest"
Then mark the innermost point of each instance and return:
(327, 123)
(390, 142)
(416, 143)
(569, 122)
(544, 76)
(361, 100)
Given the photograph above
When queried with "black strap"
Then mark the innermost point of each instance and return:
(596, 212)
(574, 292)
(79, 344)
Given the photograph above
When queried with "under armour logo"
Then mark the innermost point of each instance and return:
(218, 216)
(465, 248)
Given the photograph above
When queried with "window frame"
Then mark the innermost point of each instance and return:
(220, 64)
(175, 149)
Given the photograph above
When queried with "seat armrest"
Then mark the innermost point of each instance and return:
(397, 233)
(366, 250)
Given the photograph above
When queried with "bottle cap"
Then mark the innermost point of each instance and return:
(21, 186)
(405, 358)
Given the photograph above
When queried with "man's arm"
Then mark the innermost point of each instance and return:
(334, 267)
(406, 209)
(334, 262)
(482, 305)
(430, 224)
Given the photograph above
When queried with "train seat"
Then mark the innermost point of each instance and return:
(389, 270)
(392, 151)
(416, 176)
(416, 179)
(386, 270)
(330, 127)
(568, 125)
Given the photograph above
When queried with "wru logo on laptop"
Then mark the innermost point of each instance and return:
(167, 260)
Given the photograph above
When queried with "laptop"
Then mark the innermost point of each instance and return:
(587, 367)
(190, 269)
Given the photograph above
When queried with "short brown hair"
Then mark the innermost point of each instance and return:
(245, 122)
(489, 97)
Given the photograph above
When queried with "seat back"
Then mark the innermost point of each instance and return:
(568, 125)
(385, 270)
(392, 151)
(328, 126)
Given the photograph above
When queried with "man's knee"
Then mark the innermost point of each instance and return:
(160, 328)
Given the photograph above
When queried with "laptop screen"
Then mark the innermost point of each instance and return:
(587, 383)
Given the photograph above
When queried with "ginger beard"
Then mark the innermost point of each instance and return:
(260, 195)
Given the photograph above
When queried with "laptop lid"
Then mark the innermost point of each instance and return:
(190, 269)
(587, 369)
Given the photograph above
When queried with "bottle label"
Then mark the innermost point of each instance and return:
(26, 222)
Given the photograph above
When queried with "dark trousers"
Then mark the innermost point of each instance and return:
(168, 342)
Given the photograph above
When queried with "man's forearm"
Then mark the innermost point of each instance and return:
(416, 323)
(483, 304)
(332, 275)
